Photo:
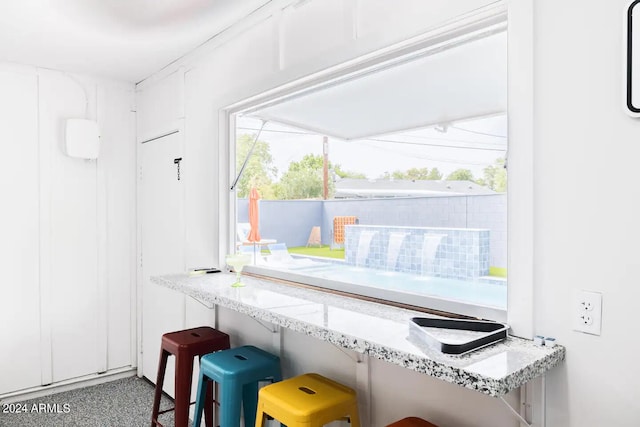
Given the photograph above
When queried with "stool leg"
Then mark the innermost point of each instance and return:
(162, 366)
(230, 401)
(250, 403)
(261, 417)
(184, 370)
(203, 383)
(208, 408)
(354, 416)
(208, 403)
(277, 377)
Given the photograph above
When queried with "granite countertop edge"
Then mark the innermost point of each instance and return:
(494, 387)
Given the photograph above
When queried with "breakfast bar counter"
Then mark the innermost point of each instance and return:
(373, 329)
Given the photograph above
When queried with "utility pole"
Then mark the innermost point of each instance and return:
(325, 167)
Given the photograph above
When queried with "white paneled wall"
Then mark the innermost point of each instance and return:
(116, 184)
(397, 20)
(271, 50)
(329, 23)
(69, 243)
(159, 109)
(19, 223)
(73, 246)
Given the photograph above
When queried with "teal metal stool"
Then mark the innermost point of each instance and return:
(237, 372)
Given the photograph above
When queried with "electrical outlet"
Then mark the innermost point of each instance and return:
(587, 312)
(586, 320)
(586, 305)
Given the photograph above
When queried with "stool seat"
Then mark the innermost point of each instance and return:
(185, 345)
(237, 372)
(412, 422)
(308, 400)
(244, 364)
(196, 340)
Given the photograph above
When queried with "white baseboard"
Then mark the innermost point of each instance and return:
(74, 383)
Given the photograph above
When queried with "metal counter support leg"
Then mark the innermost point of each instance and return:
(276, 337)
(363, 382)
(541, 414)
(533, 403)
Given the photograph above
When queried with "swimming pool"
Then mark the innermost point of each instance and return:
(477, 297)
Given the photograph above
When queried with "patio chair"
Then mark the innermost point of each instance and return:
(254, 251)
(315, 238)
(242, 231)
(280, 257)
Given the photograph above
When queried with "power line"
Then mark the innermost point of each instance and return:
(439, 145)
(279, 131)
(435, 138)
(477, 133)
(433, 159)
(400, 142)
(455, 140)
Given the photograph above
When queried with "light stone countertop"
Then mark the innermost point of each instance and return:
(377, 330)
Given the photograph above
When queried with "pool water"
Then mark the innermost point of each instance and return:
(475, 292)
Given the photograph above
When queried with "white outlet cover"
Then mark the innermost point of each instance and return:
(593, 303)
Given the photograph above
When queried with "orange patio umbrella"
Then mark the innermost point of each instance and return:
(254, 234)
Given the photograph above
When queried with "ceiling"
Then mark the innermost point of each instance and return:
(462, 82)
(123, 39)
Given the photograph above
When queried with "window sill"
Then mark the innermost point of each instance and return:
(370, 328)
(387, 293)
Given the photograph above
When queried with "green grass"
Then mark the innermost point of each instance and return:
(323, 251)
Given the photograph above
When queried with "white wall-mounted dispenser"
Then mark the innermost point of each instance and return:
(82, 139)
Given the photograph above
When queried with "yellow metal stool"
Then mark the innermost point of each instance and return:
(309, 400)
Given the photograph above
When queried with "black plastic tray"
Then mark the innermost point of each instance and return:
(492, 332)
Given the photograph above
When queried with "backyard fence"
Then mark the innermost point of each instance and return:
(291, 221)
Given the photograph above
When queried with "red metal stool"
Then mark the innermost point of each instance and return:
(185, 345)
(412, 422)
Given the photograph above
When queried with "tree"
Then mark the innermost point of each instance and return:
(460, 175)
(495, 176)
(337, 169)
(417, 174)
(300, 184)
(303, 179)
(434, 175)
(414, 174)
(259, 171)
(393, 175)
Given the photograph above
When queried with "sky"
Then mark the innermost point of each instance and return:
(472, 144)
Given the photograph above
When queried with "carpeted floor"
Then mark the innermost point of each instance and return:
(123, 403)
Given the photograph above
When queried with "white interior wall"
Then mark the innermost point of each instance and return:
(19, 249)
(258, 59)
(158, 110)
(586, 209)
(73, 245)
(74, 224)
(117, 212)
